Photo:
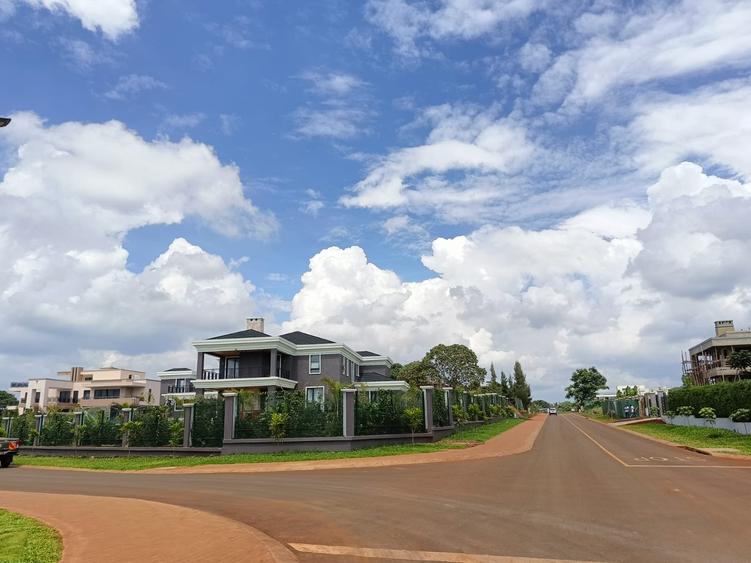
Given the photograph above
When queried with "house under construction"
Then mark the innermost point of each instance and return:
(707, 362)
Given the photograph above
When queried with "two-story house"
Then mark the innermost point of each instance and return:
(296, 360)
(707, 362)
(101, 387)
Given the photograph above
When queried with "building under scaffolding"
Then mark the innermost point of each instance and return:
(707, 363)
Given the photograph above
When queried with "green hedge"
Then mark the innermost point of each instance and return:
(724, 398)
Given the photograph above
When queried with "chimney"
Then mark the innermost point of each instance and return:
(254, 323)
(75, 373)
(723, 327)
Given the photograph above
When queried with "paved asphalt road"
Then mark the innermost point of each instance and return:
(584, 492)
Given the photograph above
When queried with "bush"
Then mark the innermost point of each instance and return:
(741, 415)
(440, 409)
(208, 423)
(724, 398)
(176, 429)
(22, 425)
(385, 413)
(685, 410)
(98, 429)
(474, 411)
(460, 415)
(708, 414)
(654, 411)
(670, 414)
(152, 428)
(57, 429)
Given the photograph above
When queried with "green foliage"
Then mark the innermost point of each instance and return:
(384, 413)
(724, 398)
(474, 411)
(57, 429)
(741, 360)
(708, 414)
(22, 425)
(99, 429)
(150, 427)
(584, 385)
(519, 387)
(685, 410)
(670, 414)
(208, 423)
(278, 425)
(7, 399)
(440, 408)
(565, 406)
(303, 419)
(176, 430)
(413, 416)
(654, 411)
(460, 415)
(418, 373)
(541, 405)
(395, 370)
(455, 366)
(741, 415)
(505, 387)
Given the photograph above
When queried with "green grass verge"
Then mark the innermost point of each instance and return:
(597, 416)
(463, 438)
(25, 540)
(695, 436)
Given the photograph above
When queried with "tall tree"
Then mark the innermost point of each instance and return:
(505, 387)
(418, 373)
(740, 360)
(585, 383)
(396, 368)
(493, 386)
(455, 366)
(519, 388)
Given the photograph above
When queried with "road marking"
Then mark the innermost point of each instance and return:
(619, 460)
(409, 555)
(599, 445)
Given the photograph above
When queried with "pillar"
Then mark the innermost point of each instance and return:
(427, 403)
(272, 363)
(188, 425)
(230, 410)
(127, 417)
(199, 365)
(348, 412)
(449, 400)
(38, 425)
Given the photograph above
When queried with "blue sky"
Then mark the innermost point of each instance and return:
(512, 175)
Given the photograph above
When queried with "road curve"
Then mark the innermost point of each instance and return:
(585, 492)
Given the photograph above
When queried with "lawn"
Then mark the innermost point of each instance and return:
(463, 438)
(25, 540)
(695, 436)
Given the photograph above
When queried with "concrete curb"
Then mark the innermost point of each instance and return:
(701, 451)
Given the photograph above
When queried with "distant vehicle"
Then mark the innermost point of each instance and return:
(553, 410)
(8, 449)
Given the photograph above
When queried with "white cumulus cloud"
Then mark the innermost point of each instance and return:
(113, 18)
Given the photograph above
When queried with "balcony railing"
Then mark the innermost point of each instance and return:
(236, 373)
(17, 384)
(180, 388)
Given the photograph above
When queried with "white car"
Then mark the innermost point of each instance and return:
(553, 410)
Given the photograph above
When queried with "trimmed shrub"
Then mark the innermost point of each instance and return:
(385, 412)
(724, 398)
(208, 423)
(741, 415)
(22, 425)
(57, 429)
(685, 410)
(99, 429)
(440, 409)
(708, 414)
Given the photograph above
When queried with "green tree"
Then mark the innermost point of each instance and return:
(540, 404)
(519, 387)
(6, 399)
(455, 366)
(395, 370)
(505, 387)
(740, 360)
(418, 373)
(493, 386)
(585, 383)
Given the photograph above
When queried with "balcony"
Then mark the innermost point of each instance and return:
(237, 373)
(180, 389)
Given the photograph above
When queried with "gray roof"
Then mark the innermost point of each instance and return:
(241, 334)
(371, 376)
(298, 337)
(365, 353)
(178, 369)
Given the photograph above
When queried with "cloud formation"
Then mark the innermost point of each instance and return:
(113, 18)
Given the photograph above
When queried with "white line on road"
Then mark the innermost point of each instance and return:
(410, 555)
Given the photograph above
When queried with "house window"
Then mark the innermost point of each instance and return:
(314, 395)
(75, 396)
(86, 394)
(232, 368)
(314, 365)
(37, 396)
(106, 393)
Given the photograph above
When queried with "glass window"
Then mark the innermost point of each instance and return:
(86, 394)
(106, 393)
(315, 363)
(314, 395)
(232, 368)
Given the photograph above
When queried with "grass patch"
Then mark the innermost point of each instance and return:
(461, 439)
(695, 436)
(597, 416)
(25, 540)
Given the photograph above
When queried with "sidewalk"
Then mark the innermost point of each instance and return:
(93, 529)
(516, 440)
